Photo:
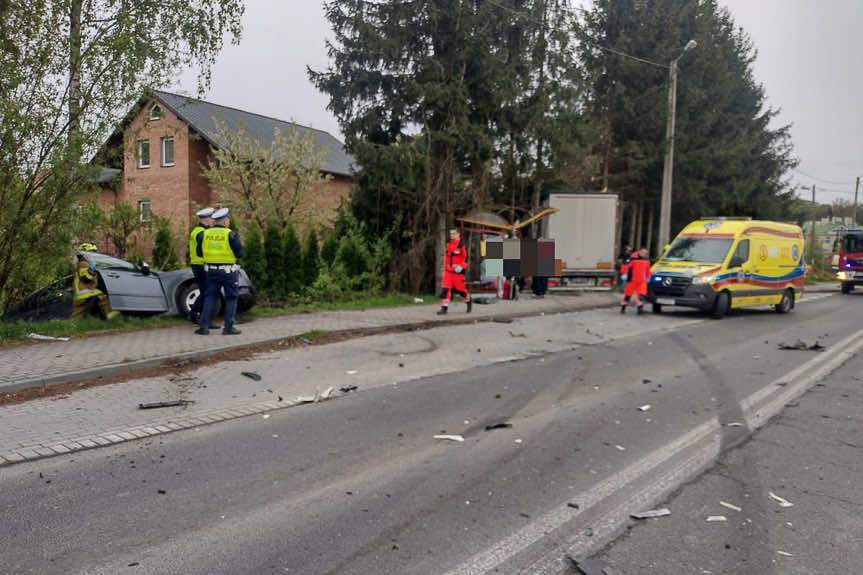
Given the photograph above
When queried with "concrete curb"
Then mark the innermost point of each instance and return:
(158, 361)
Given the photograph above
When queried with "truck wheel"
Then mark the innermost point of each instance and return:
(786, 303)
(657, 308)
(847, 287)
(722, 305)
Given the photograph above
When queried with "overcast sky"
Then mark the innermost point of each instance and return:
(809, 60)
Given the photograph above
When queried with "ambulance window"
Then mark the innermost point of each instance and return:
(742, 251)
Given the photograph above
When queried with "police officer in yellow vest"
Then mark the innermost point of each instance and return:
(220, 249)
(197, 263)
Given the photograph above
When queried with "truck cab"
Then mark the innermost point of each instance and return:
(848, 258)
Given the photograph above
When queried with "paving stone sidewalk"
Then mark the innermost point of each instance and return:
(45, 363)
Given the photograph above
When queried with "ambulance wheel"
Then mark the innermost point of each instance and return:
(722, 305)
(657, 308)
(786, 303)
(847, 287)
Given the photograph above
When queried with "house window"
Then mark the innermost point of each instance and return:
(144, 213)
(156, 112)
(168, 151)
(143, 153)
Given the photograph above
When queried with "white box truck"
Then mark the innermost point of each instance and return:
(584, 230)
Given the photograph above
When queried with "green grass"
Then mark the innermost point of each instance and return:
(89, 325)
(10, 332)
(358, 302)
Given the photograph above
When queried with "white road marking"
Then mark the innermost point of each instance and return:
(704, 440)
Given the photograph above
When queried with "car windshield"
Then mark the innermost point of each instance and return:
(853, 243)
(702, 250)
(104, 262)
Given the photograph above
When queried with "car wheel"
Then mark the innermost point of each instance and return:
(657, 308)
(186, 298)
(722, 305)
(847, 287)
(786, 303)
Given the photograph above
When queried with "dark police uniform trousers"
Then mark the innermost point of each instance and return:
(221, 277)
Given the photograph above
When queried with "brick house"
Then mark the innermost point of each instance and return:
(161, 147)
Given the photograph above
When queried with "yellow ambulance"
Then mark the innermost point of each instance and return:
(720, 264)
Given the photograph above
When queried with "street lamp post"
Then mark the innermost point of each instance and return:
(665, 207)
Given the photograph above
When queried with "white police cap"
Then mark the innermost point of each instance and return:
(205, 213)
(220, 214)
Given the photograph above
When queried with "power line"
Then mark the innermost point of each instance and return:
(817, 179)
(601, 47)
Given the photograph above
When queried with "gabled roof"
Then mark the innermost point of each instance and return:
(199, 115)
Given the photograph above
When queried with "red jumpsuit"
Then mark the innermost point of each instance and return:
(454, 270)
(637, 271)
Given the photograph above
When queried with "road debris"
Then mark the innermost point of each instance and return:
(348, 388)
(519, 441)
(352, 372)
(446, 437)
(419, 300)
(305, 340)
(780, 500)
(326, 394)
(717, 519)
(251, 375)
(41, 337)
(662, 512)
(784, 553)
(645, 407)
(734, 424)
(592, 566)
(513, 334)
(501, 320)
(160, 404)
(620, 448)
(266, 416)
(573, 505)
(305, 399)
(645, 381)
(498, 426)
(731, 506)
(801, 345)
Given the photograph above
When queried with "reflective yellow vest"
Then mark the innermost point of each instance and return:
(193, 246)
(216, 248)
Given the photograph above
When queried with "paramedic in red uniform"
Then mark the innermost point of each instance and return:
(637, 272)
(454, 270)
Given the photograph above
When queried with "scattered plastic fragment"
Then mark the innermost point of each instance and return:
(498, 426)
(305, 399)
(252, 375)
(717, 519)
(160, 404)
(620, 448)
(447, 437)
(780, 500)
(662, 512)
(352, 372)
(266, 416)
(513, 334)
(734, 424)
(592, 567)
(645, 407)
(573, 505)
(801, 345)
(784, 554)
(518, 441)
(348, 388)
(645, 381)
(41, 337)
(419, 300)
(731, 506)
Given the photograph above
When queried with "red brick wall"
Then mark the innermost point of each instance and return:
(166, 187)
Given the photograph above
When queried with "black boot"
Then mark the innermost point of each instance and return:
(469, 306)
(442, 310)
(623, 309)
(640, 309)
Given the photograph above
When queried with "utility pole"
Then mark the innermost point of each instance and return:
(812, 229)
(854, 211)
(665, 206)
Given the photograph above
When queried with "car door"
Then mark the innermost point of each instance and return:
(129, 288)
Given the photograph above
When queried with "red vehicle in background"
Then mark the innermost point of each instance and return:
(848, 258)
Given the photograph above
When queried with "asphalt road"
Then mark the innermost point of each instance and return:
(359, 485)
